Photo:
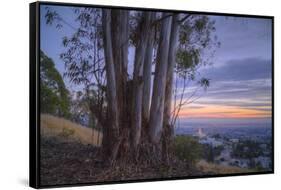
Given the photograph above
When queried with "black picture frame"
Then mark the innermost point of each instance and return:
(34, 93)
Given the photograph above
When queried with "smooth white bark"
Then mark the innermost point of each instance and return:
(147, 71)
(138, 77)
(158, 96)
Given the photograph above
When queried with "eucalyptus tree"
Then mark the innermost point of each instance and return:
(96, 57)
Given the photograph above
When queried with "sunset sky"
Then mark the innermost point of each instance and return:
(240, 74)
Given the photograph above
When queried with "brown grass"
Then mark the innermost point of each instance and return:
(59, 127)
(220, 169)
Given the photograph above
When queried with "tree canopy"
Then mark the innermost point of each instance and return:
(54, 97)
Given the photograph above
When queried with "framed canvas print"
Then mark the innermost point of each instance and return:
(120, 94)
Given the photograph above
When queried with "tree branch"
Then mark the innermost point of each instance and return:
(184, 18)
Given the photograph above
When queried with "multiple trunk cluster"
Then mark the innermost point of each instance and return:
(134, 112)
(134, 117)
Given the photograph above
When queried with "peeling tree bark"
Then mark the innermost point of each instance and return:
(158, 96)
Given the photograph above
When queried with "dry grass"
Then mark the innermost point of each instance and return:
(59, 127)
(219, 169)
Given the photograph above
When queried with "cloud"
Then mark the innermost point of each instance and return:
(244, 84)
(238, 70)
(260, 88)
(195, 107)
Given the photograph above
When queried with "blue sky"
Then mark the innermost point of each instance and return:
(240, 74)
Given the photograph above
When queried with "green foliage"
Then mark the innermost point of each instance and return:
(51, 16)
(54, 97)
(247, 149)
(187, 149)
(201, 24)
(187, 61)
(82, 57)
(196, 45)
(211, 152)
(204, 82)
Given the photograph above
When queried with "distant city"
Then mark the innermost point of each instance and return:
(232, 143)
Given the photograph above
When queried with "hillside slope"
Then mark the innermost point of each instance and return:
(220, 169)
(52, 126)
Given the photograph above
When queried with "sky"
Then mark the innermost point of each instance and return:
(240, 76)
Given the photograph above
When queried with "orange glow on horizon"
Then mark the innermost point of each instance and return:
(211, 111)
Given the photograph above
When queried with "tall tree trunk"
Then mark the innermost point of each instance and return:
(111, 129)
(168, 128)
(120, 44)
(158, 96)
(136, 123)
(147, 72)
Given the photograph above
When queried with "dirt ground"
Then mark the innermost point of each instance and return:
(64, 162)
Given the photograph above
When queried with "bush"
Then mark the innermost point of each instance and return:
(246, 149)
(211, 152)
(187, 149)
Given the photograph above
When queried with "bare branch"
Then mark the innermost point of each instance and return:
(184, 18)
(162, 18)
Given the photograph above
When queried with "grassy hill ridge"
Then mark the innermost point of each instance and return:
(59, 127)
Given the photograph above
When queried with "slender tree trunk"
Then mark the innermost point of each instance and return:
(111, 129)
(168, 128)
(147, 73)
(136, 123)
(120, 44)
(158, 96)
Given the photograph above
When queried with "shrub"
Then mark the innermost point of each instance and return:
(187, 149)
(211, 152)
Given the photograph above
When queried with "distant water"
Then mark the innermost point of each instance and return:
(231, 128)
